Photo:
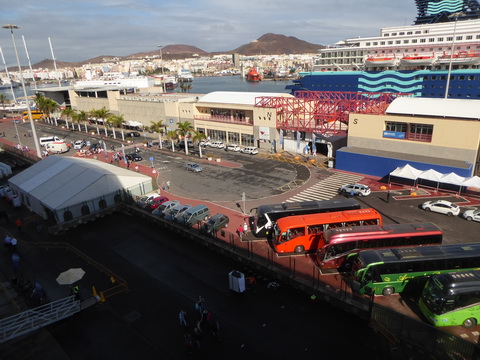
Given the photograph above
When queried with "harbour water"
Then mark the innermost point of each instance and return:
(201, 85)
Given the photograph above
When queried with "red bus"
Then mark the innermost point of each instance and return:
(303, 233)
(340, 243)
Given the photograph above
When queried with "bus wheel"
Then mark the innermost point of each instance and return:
(469, 323)
(388, 291)
(299, 249)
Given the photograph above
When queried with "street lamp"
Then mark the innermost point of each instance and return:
(161, 64)
(32, 124)
(454, 15)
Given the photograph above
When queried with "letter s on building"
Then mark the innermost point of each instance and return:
(355, 121)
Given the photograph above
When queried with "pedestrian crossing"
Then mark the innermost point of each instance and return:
(325, 189)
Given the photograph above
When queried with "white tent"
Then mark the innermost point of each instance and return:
(59, 185)
(452, 178)
(473, 181)
(407, 172)
(431, 175)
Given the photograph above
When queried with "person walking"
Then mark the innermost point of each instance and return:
(199, 305)
(197, 336)
(182, 317)
(240, 232)
(7, 242)
(245, 228)
(18, 224)
(216, 330)
(13, 245)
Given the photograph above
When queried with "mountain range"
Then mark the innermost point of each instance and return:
(268, 44)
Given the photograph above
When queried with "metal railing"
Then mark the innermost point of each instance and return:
(37, 318)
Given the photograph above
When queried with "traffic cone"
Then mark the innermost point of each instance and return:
(94, 291)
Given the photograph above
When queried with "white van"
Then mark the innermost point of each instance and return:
(57, 147)
(252, 150)
(48, 139)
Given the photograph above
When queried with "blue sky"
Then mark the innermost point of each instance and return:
(80, 30)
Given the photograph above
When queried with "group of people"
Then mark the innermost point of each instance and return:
(202, 324)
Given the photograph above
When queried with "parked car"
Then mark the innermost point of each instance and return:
(165, 207)
(252, 150)
(232, 147)
(217, 144)
(77, 145)
(205, 143)
(194, 167)
(215, 223)
(154, 203)
(133, 157)
(358, 189)
(194, 215)
(94, 147)
(472, 215)
(132, 134)
(442, 207)
(177, 212)
(143, 200)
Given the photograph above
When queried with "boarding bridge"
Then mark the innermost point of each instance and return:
(41, 316)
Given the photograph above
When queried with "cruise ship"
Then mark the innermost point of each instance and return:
(415, 59)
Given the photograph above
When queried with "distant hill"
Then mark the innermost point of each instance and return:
(268, 44)
(277, 45)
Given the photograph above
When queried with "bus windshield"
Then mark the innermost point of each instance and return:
(264, 216)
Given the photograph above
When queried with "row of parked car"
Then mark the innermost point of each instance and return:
(185, 214)
(252, 150)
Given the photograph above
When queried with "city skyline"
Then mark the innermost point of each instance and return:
(83, 30)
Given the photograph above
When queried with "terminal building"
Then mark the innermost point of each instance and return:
(439, 134)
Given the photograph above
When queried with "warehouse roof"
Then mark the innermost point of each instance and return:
(448, 108)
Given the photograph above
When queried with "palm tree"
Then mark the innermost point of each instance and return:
(172, 135)
(183, 129)
(160, 128)
(82, 116)
(93, 113)
(103, 114)
(68, 113)
(49, 107)
(198, 136)
(117, 121)
(3, 100)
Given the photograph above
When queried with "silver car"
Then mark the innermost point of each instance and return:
(176, 212)
(194, 167)
(472, 215)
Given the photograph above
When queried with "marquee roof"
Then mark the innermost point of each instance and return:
(237, 97)
(445, 108)
(58, 182)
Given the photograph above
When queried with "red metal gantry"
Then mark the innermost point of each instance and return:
(324, 112)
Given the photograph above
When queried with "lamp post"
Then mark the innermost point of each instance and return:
(454, 15)
(32, 124)
(161, 64)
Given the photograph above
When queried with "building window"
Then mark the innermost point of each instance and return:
(420, 132)
(396, 126)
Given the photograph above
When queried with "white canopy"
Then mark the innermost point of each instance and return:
(452, 178)
(431, 175)
(407, 171)
(473, 181)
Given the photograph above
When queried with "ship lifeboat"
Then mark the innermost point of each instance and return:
(460, 58)
(253, 75)
(415, 60)
(380, 61)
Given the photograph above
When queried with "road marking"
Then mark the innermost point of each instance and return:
(326, 188)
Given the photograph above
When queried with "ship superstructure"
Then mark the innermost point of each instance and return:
(445, 38)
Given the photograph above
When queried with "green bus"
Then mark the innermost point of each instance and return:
(388, 271)
(452, 299)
